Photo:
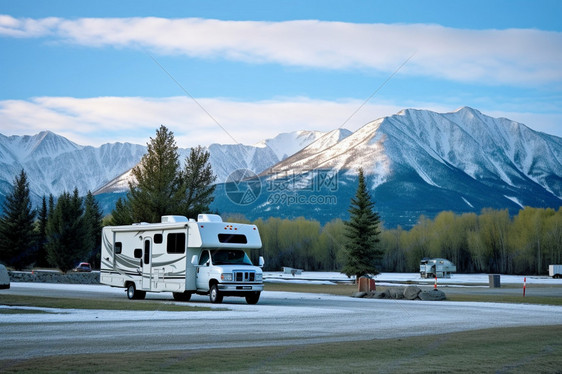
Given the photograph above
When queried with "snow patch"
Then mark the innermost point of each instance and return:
(515, 200)
(467, 202)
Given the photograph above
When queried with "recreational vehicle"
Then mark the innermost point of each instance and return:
(436, 267)
(183, 256)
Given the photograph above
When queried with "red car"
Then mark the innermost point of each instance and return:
(83, 267)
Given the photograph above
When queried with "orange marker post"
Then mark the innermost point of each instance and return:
(524, 285)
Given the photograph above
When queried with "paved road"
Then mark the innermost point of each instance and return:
(279, 319)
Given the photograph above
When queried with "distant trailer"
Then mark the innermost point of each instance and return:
(292, 271)
(436, 267)
(555, 271)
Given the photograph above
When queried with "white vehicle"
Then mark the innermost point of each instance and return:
(182, 256)
(436, 267)
(555, 271)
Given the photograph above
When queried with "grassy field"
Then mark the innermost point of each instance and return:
(509, 350)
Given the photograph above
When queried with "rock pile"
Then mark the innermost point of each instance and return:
(408, 293)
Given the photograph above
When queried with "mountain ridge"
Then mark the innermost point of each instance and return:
(417, 162)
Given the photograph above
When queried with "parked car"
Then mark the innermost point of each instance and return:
(83, 267)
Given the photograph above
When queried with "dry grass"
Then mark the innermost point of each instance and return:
(508, 350)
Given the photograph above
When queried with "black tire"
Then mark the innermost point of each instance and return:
(182, 296)
(134, 294)
(214, 295)
(131, 291)
(253, 298)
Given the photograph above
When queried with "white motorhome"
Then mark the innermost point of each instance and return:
(436, 267)
(183, 256)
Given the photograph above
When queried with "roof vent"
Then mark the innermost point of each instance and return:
(209, 218)
(173, 219)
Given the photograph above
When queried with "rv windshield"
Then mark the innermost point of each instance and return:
(230, 257)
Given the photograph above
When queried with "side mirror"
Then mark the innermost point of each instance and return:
(261, 262)
(195, 260)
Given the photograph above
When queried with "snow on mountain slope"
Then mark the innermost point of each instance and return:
(489, 150)
(286, 144)
(54, 164)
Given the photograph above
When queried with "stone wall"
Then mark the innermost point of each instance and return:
(42, 276)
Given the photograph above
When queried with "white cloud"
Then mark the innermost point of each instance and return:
(95, 121)
(513, 56)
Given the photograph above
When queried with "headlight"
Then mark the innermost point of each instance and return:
(259, 277)
(227, 277)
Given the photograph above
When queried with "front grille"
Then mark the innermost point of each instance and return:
(244, 276)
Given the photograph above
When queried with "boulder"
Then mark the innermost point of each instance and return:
(396, 292)
(359, 294)
(412, 292)
(4, 277)
(380, 295)
(433, 295)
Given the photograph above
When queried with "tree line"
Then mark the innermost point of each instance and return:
(56, 235)
(490, 242)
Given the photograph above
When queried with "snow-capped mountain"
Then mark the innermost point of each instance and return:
(54, 164)
(421, 162)
(488, 150)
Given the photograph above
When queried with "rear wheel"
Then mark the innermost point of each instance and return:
(214, 295)
(133, 293)
(182, 296)
(253, 298)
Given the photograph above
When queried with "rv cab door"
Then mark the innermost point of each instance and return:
(204, 271)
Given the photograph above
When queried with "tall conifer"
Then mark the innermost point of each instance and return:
(362, 233)
(17, 234)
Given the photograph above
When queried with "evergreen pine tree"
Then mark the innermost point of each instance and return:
(197, 178)
(121, 214)
(65, 232)
(92, 222)
(162, 188)
(17, 234)
(362, 233)
(159, 191)
(41, 257)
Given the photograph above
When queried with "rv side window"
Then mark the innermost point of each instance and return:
(176, 243)
(233, 238)
(138, 252)
(157, 238)
(118, 247)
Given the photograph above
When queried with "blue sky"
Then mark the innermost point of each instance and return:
(243, 71)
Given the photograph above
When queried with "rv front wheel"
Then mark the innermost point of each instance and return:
(214, 295)
(253, 298)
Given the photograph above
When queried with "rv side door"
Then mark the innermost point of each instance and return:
(147, 264)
